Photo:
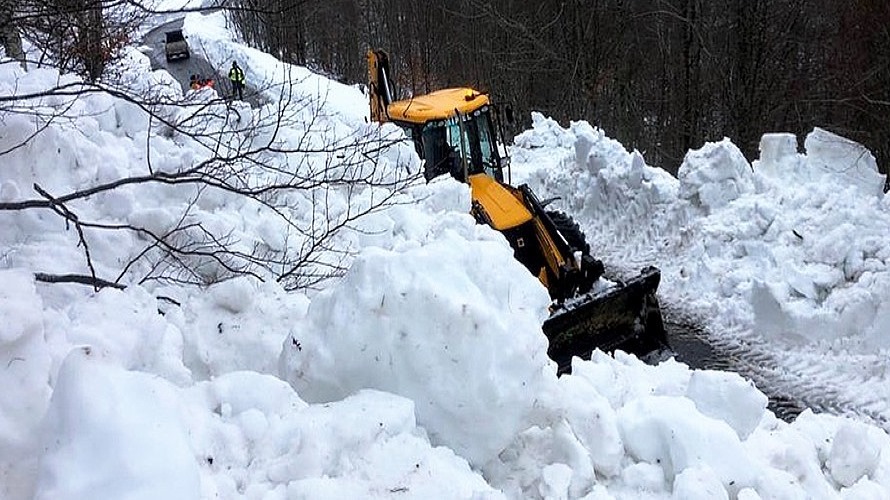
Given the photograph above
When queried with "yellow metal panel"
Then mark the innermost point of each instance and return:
(550, 251)
(501, 205)
(437, 105)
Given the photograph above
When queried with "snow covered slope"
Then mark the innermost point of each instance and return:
(421, 373)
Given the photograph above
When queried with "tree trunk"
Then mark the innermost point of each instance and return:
(9, 33)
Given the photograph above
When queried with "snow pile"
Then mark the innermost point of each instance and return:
(829, 158)
(441, 320)
(839, 284)
(714, 176)
(598, 180)
(113, 433)
(789, 253)
(423, 372)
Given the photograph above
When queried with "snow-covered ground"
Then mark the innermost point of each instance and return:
(786, 260)
(422, 373)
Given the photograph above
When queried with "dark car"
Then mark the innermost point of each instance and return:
(175, 46)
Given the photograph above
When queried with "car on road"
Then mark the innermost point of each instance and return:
(175, 46)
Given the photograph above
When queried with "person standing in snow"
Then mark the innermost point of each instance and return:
(236, 76)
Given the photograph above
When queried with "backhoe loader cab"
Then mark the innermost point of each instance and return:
(463, 145)
(453, 131)
(456, 131)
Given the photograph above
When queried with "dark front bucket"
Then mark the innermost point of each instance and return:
(626, 317)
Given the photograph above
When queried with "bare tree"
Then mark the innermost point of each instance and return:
(662, 76)
(278, 27)
(285, 175)
(10, 38)
(77, 36)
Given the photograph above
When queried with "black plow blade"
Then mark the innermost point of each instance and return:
(625, 317)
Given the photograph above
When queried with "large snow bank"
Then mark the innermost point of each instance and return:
(442, 320)
(112, 433)
(795, 241)
(788, 253)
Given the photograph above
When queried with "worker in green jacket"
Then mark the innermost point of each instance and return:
(236, 76)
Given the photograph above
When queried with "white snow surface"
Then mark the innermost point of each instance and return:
(422, 373)
(785, 259)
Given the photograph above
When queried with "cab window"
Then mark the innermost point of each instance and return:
(447, 142)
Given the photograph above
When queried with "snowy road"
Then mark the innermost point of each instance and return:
(181, 69)
(196, 64)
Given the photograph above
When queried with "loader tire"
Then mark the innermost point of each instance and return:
(570, 230)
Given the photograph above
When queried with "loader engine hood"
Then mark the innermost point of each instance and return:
(438, 105)
(503, 209)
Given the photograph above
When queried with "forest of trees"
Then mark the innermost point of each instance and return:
(661, 76)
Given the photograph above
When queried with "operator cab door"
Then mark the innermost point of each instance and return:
(463, 144)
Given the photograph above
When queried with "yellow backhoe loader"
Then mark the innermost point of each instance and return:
(457, 131)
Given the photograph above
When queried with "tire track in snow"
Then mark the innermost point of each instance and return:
(792, 379)
(792, 384)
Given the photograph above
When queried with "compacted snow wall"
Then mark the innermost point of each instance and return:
(791, 245)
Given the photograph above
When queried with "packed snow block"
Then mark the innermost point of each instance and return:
(778, 315)
(110, 433)
(20, 306)
(813, 304)
(458, 332)
(545, 133)
(262, 437)
(778, 155)
(584, 141)
(854, 454)
(17, 129)
(645, 477)
(234, 295)
(238, 324)
(363, 445)
(673, 433)
(142, 339)
(25, 366)
(714, 175)
(593, 149)
(865, 489)
(849, 162)
(555, 481)
(699, 483)
(728, 397)
(519, 469)
(795, 455)
(801, 282)
(594, 422)
(442, 195)
(773, 315)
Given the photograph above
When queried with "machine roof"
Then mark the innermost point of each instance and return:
(437, 105)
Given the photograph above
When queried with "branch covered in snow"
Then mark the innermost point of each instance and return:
(212, 151)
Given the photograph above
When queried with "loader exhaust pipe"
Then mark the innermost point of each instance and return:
(380, 89)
